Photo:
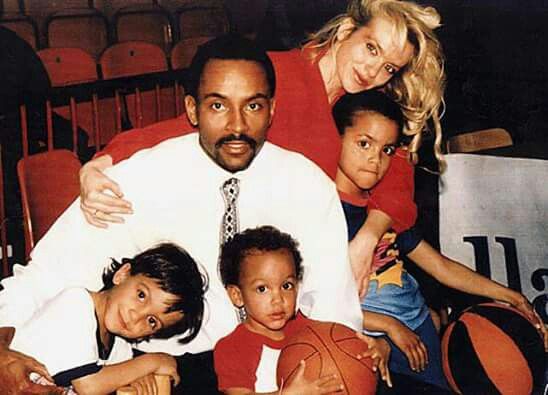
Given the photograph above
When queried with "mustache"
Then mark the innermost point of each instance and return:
(232, 137)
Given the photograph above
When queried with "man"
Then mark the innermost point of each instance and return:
(196, 190)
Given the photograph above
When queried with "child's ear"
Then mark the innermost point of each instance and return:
(345, 29)
(235, 295)
(122, 274)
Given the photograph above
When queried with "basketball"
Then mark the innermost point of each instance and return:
(328, 348)
(492, 349)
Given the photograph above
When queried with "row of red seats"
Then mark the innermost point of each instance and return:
(49, 180)
(91, 30)
(69, 66)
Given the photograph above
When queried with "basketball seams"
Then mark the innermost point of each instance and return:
(323, 340)
(491, 348)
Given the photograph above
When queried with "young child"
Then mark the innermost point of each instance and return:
(261, 269)
(370, 126)
(82, 337)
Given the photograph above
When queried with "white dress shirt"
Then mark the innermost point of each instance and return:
(175, 191)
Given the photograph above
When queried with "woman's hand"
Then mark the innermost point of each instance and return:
(299, 385)
(379, 352)
(97, 203)
(410, 344)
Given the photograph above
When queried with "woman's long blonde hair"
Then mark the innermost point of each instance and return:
(419, 86)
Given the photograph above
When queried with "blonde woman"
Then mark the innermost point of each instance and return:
(376, 44)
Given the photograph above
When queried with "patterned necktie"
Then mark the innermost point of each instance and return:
(229, 226)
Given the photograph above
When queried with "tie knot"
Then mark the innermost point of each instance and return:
(231, 189)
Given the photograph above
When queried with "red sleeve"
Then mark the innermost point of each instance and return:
(125, 144)
(393, 195)
(234, 363)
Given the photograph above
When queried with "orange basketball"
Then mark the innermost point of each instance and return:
(492, 349)
(329, 348)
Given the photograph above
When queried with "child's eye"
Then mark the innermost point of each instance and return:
(152, 322)
(261, 289)
(389, 150)
(141, 295)
(364, 144)
(288, 286)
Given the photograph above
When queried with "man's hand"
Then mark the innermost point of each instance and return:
(99, 206)
(15, 369)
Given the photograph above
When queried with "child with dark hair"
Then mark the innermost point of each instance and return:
(83, 337)
(370, 125)
(261, 269)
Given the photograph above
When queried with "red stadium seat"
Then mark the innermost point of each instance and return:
(149, 23)
(82, 28)
(24, 26)
(49, 184)
(69, 66)
(200, 18)
(183, 52)
(135, 58)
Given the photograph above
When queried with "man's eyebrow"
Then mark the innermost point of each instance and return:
(214, 95)
(256, 96)
(259, 96)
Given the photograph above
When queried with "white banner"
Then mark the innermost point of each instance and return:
(494, 218)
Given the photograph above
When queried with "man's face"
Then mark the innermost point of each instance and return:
(233, 111)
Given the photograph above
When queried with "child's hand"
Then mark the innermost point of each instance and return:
(379, 351)
(166, 365)
(410, 344)
(146, 385)
(299, 385)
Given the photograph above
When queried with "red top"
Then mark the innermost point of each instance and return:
(302, 123)
(237, 356)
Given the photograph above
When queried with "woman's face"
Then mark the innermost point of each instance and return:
(370, 56)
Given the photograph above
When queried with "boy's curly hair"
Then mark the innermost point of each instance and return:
(261, 239)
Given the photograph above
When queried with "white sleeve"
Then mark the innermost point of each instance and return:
(61, 334)
(328, 291)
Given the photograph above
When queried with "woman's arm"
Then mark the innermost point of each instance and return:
(362, 247)
(112, 377)
(394, 194)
